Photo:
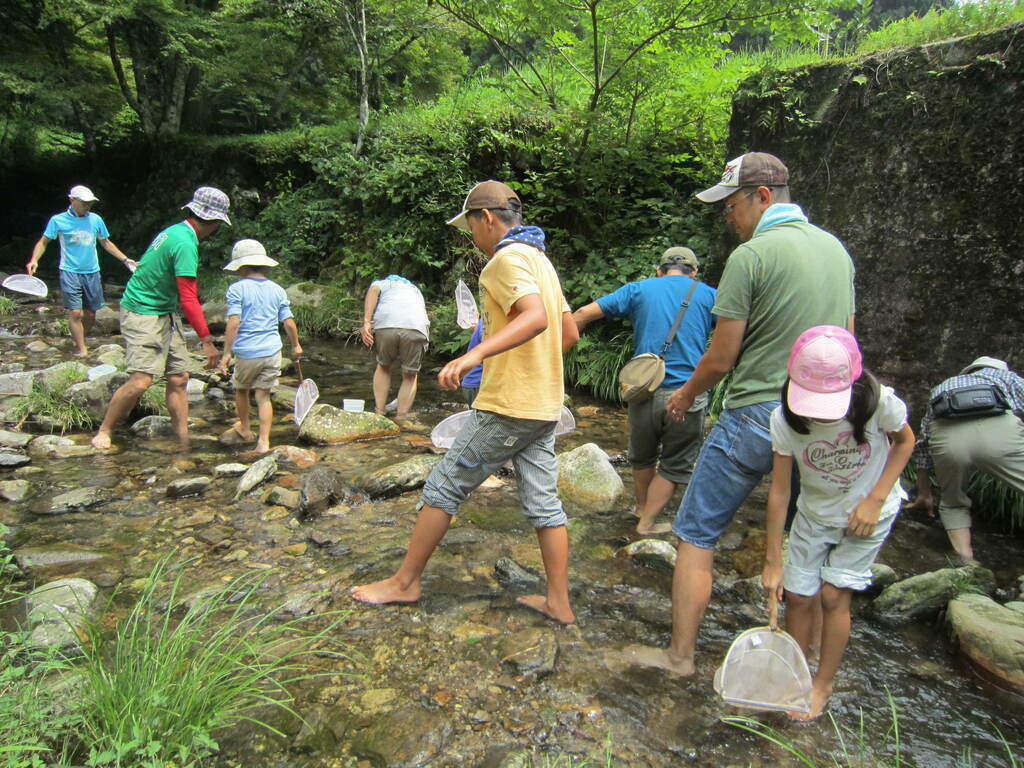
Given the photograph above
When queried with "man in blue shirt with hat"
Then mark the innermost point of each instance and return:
(78, 230)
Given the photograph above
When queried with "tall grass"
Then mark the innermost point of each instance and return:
(52, 404)
(942, 24)
(7, 306)
(157, 689)
(595, 364)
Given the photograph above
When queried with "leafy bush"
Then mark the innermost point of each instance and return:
(447, 339)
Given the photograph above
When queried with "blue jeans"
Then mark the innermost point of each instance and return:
(735, 457)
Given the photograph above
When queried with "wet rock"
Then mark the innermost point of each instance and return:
(69, 371)
(14, 439)
(17, 383)
(38, 346)
(928, 593)
(284, 397)
(322, 538)
(46, 445)
(77, 500)
(152, 426)
(511, 574)
(257, 473)
(15, 490)
(881, 577)
(13, 459)
(327, 425)
(215, 535)
(108, 322)
(321, 489)
(216, 315)
(66, 559)
(198, 518)
(1015, 605)
(94, 396)
(406, 738)
(188, 486)
(275, 513)
(57, 612)
(530, 651)
(587, 479)
(229, 470)
(306, 294)
(299, 548)
(214, 393)
(300, 458)
(284, 497)
(316, 734)
(398, 478)
(991, 635)
(652, 553)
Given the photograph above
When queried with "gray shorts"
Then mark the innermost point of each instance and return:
(656, 439)
(154, 344)
(257, 372)
(401, 345)
(482, 447)
(820, 553)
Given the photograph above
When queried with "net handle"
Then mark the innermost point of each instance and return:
(773, 611)
(298, 366)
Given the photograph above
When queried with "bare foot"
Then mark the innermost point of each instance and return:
(261, 448)
(82, 353)
(101, 441)
(539, 603)
(658, 658)
(819, 700)
(386, 591)
(236, 435)
(653, 530)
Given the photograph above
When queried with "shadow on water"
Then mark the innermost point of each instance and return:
(437, 674)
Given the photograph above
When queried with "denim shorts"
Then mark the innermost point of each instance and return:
(81, 291)
(482, 447)
(736, 456)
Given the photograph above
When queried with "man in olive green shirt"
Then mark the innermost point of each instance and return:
(785, 277)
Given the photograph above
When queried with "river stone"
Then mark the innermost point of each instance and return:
(38, 346)
(991, 635)
(46, 445)
(94, 396)
(283, 497)
(316, 734)
(51, 561)
(57, 612)
(305, 294)
(530, 651)
(321, 489)
(327, 425)
(587, 479)
(1015, 605)
(69, 371)
(152, 426)
(108, 322)
(14, 439)
(406, 738)
(284, 397)
(17, 383)
(509, 573)
(77, 500)
(15, 490)
(297, 457)
(398, 478)
(653, 553)
(927, 593)
(216, 312)
(229, 470)
(188, 486)
(195, 387)
(881, 577)
(13, 459)
(257, 473)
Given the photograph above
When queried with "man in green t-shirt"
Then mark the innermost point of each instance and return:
(165, 280)
(785, 277)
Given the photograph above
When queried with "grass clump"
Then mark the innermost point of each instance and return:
(7, 306)
(154, 399)
(338, 315)
(50, 405)
(157, 689)
(942, 24)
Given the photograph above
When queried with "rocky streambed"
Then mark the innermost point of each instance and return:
(466, 676)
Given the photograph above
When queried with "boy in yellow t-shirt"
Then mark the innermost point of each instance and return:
(527, 327)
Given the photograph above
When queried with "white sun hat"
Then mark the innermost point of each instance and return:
(249, 253)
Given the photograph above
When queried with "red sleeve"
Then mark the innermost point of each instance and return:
(191, 307)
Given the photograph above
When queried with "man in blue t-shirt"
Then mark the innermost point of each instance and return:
(78, 230)
(662, 451)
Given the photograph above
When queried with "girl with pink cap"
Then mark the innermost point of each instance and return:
(850, 440)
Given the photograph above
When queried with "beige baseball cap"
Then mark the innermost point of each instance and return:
(679, 256)
(492, 195)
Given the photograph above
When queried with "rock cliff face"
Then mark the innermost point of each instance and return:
(915, 160)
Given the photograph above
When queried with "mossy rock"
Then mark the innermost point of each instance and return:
(991, 635)
(394, 479)
(328, 425)
(588, 481)
(926, 594)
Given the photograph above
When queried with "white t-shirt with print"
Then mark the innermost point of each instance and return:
(836, 472)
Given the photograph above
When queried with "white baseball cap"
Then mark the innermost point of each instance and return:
(83, 193)
(249, 253)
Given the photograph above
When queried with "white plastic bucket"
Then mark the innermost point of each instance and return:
(355, 406)
(100, 370)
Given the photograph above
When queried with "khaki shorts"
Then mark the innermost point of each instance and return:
(402, 345)
(153, 344)
(257, 372)
(656, 439)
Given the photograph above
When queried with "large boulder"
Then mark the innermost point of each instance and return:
(928, 593)
(399, 478)
(587, 479)
(216, 311)
(108, 322)
(306, 294)
(19, 383)
(94, 396)
(327, 425)
(991, 635)
(58, 611)
(68, 372)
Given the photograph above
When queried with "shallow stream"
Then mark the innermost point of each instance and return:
(427, 684)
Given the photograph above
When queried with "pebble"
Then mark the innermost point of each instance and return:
(229, 470)
(296, 549)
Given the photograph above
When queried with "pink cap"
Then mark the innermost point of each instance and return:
(823, 364)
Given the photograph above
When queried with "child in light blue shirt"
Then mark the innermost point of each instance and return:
(256, 305)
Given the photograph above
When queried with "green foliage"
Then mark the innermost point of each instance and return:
(154, 399)
(594, 363)
(52, 404)
(339, 315)
(157, 689)
(447, 339)
(991, 498)
(7, 306)
(943, 23)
